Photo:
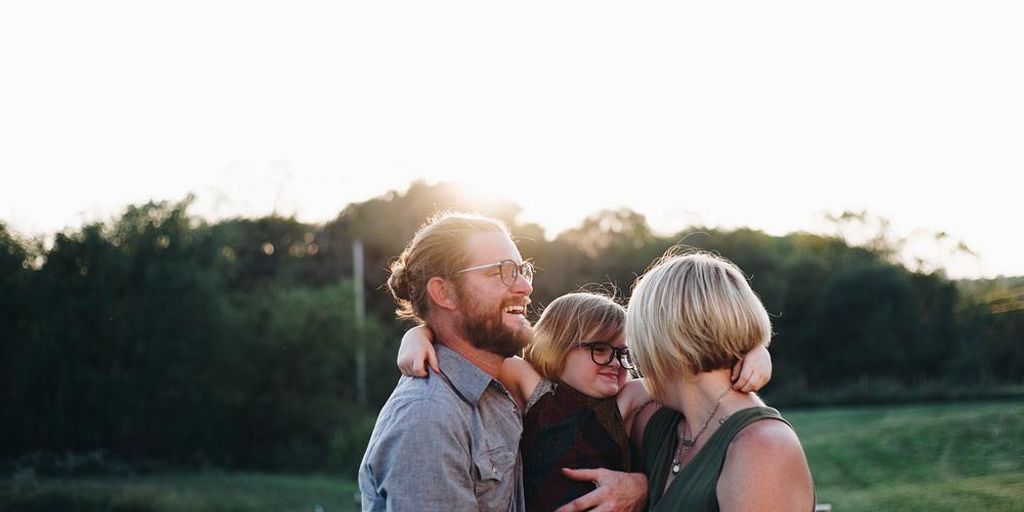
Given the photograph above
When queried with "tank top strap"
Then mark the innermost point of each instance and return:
(743, 418)
(694, 488)
(658, 436)
(718, 445)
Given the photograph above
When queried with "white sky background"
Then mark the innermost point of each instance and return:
(759, 114)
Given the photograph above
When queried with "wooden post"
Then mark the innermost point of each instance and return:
(360, 305)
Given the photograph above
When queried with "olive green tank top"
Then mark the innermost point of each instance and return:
(694, 488)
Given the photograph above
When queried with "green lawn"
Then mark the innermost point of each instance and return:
(207, 492)
(929, 458)
(901, 458)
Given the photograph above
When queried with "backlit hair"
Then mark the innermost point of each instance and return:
(692, 313)
(437, 250)
(567, 322)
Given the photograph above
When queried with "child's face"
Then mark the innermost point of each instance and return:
(590, 378)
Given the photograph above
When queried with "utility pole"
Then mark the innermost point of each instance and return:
(360, 303)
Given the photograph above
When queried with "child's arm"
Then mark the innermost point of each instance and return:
(753, 370)
(631, 398)
(416, 351)
(519, 377)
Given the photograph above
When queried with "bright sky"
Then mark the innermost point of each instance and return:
(759, 114)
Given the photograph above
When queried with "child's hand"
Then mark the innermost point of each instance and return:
(753, 370)
(416, 351)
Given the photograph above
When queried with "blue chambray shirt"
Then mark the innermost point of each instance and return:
(441, 445)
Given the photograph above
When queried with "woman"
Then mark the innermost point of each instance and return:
(710, 447)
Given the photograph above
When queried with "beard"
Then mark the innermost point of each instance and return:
(486, 330)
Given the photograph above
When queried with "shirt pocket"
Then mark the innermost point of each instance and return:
(492, 468)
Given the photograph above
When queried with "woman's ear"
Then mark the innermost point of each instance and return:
(442, 293)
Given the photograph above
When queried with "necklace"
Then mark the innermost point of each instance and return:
(686, 444)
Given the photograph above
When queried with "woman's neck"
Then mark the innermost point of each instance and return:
(708, 395)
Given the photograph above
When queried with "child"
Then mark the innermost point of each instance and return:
(572, 383)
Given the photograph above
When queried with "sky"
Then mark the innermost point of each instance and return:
(769, 115)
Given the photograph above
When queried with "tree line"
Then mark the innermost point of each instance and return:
(167, 341)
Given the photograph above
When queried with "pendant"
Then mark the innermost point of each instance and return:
(675, 468)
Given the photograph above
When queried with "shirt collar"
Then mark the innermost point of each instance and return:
(468, 379)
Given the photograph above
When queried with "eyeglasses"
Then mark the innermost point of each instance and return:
(602, 353)
(510, 271)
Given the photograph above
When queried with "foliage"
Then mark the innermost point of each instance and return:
(145, 338)
(991, 313)
(164, 341)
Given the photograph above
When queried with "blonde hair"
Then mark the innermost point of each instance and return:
(437, 250)
(692, 313)
(567, 322)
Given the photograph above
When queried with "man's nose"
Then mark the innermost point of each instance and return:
(522, 285)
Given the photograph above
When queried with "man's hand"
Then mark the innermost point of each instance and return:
(616, 491)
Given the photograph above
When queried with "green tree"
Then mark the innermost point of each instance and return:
(294, 372)
(15, 315)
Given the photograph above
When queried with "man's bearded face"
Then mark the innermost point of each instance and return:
(486, 324)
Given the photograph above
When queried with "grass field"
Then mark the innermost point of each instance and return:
(207, 492)
(903, 458)
(930, 458)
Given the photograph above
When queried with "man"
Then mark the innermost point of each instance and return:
(451, 441)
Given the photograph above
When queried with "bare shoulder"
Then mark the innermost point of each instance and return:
(767, 435)
(765, 444)
(766, 469)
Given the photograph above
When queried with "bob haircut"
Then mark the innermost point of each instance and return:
(691, 313)
(568, 322)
